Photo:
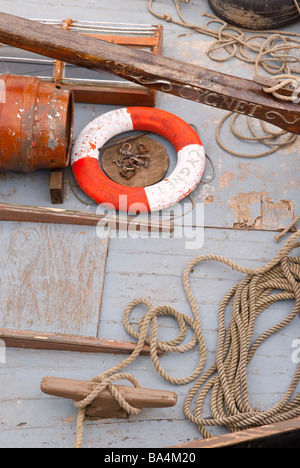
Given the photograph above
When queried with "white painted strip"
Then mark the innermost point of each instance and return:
(183, 180)
(99, 131)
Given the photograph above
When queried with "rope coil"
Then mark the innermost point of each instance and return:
(227, 378)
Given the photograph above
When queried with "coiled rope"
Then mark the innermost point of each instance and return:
(270, 50)
(227, 378)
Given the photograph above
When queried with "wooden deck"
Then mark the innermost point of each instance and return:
(244, 206)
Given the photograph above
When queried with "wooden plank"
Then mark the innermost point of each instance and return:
(135, 41)
(57, 179)
(53, 278)
(198, 84)
(118, 96)
(54, 341)
(22, 213)
(283, 434)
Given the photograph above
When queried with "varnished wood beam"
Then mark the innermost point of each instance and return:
(153, 71)
(53, 341)
(283, 434)
(35, 214)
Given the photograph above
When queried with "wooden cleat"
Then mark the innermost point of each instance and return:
(104, 405)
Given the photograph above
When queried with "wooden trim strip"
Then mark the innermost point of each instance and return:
(126, 40)
(52, 341)
(22, 213)
(249, 436)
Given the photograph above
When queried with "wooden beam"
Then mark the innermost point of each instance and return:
(57, 178)
(198, 84)
(21, 213)
(284, 434)
(53, 341)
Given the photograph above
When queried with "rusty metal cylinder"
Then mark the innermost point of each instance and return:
(36, 124)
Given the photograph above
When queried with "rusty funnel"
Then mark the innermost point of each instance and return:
(36, 124)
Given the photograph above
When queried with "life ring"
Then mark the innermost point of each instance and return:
(183, 180)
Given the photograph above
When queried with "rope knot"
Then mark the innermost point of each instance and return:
(104, 382)
(285, 81)
(107, 383)
(168, 17)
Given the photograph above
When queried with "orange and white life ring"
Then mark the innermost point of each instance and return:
(183, 180)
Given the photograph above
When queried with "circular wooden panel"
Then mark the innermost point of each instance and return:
(143, 176)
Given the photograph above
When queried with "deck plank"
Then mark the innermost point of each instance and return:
(53, 278)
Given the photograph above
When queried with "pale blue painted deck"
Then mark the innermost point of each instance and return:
(152, 268)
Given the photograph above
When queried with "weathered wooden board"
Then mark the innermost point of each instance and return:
(284, 434)
(225, 91)
(52, 278)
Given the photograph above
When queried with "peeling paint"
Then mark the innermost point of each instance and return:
(257, 210)
(242, 205)
(279, 212)
(209, 199)
(225, 179)
(53, 142)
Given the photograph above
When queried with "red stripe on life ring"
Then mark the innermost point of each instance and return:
(168, 125)
(105, 191)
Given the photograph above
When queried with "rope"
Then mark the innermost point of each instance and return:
(297, 6)
(149, 320)
(227, 378)
(271, 139)
(287, 229)
(104, 383)
(270, 50)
